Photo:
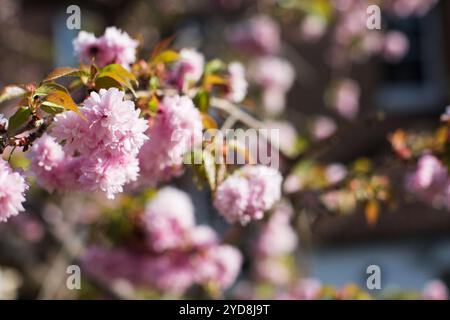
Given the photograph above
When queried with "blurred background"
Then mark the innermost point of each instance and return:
(410, 241)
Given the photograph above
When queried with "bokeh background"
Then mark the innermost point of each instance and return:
(410, 241)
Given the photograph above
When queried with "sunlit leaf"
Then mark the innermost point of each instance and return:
(214, 66)
(372, 211)
(62, 72)
(63, 99)
(153, 104)
(167, 56)
(19, 118)
(51, 108)
(212, 80)
(161, 46)
(120, 71)
(56, 96)
(12, 92)
(208, 121)
(201, 100)
(210, 169)
(119, 74)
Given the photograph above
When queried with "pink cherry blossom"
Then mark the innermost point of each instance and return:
(53, 169)
(312, 28)
(115, 46)
(167, 219)
(176, 130)
(248, 193)
(429, 181)
(237, 82)
(396, 45)
(220, 264)
(188, 69)
(410, 7)
(276, 76)
(100, 149)
(258, 35)
(435, 290)
(335, 173)
(346, 98)
(12, 190)
(323, 127)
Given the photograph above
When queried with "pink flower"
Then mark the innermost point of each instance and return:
(287, 135)
(435, 290)
(3, 122)
(276, 238)
(176, 130)
(335, 173)
(170, 273)
(237, 82)
(396, 45)
(276, 76)
(115, 46)
(53, 169)
(429, 181)
(411, 7)
(12, 189)
(122, 45)
(112, 264)
(201, 237)
(248, 193)
(273, 72)
(313, 28)
(272, 270)
(113, 125)
(188, 69)
(258, 35)
(103, 147)
(220, 264)
(167, 219)
(307, 289)
(88, 47)
(323, 127)
(231, 198)
(346, 98)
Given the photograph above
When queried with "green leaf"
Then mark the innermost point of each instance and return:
(51, 107)
(12, 92)
(120, 75)
(46, 88)
(161, 46)
(153, 104)
(209, 166)
(19, 118)
(154, 83)
(214, 66)
(62, 72)
(106, 82)
(120, 71)
(56, 96)
(204, 167)
(201, 100)
(167, 56)
(208, 121)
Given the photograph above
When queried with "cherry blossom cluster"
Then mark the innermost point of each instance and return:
(248, 193)
(430, 181)
(12, 190)
(114, 46)
(174, 131)
(276, 240)
(178, 254)
(100, 150)
(260, 37)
